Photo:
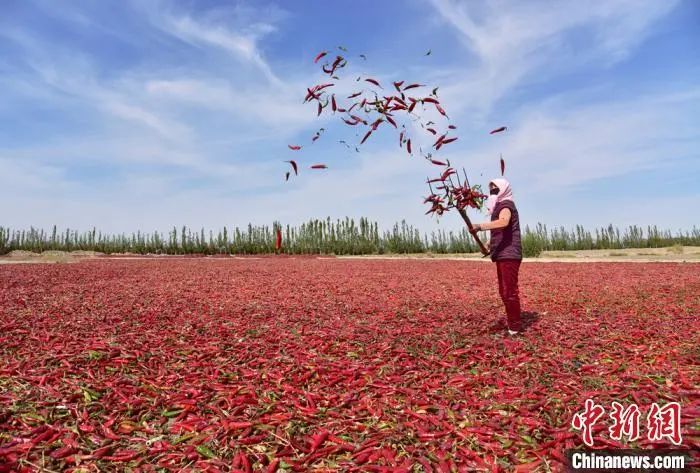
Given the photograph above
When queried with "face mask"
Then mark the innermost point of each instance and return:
(495, 191)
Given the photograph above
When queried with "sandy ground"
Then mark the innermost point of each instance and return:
(677, 254)
(684, 254)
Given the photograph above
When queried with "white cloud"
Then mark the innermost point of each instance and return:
(518, 41)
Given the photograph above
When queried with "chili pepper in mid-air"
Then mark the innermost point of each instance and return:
(319, 166)
(498, 130)
(294, 166)
(439, 141)
(408, 146)
(440, 109)
(320, 55)
(294, 147)
(503, 166)
(366, 136)
(373, 81)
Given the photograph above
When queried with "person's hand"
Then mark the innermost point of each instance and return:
(475, 228)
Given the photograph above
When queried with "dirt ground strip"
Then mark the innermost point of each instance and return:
(674, 254)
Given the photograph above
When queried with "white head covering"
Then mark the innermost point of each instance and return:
(504, 194)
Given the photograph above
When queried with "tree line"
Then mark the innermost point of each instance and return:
(339, 237)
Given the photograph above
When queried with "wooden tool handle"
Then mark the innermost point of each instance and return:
(465, 217)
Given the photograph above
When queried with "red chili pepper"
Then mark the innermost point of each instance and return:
(366, 136)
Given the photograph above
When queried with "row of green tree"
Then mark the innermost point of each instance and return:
(340, 237)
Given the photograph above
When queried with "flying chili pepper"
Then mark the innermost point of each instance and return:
(286, 176)
(373, 81)
(294, 147)
(448, 172)
(320, 55)
(319, 166)
(377, 123)
(333, 104)
(498, 130)
(412, 86)
(294, 166)
(366, 136)
(408, 146)
(439, 109)
(503, 166)
(438, 163)
(439, 141)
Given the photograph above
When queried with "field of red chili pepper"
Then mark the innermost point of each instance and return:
(310, 364)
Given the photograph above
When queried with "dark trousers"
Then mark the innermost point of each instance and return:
(508, 289)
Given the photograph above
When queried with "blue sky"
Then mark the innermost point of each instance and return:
(141, 115)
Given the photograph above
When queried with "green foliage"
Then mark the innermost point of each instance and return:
(342, 237)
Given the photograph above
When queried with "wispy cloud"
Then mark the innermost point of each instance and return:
(183, 113)
(242, 46)
(514, 42)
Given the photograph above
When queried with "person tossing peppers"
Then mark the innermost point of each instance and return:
(505, 247)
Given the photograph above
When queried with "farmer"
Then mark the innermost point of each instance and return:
(505, 247)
